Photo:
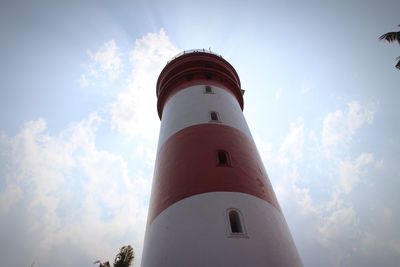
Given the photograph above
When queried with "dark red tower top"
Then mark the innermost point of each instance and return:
(194, 67)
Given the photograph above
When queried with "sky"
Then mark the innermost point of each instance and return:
(79, 127)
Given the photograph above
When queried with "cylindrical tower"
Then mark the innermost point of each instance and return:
(212, 203)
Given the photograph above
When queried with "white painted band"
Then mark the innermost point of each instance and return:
(195, 232)
(192, 106)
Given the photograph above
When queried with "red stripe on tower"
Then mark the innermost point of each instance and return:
(212, 203)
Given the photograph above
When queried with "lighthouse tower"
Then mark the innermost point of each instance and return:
(212, 203)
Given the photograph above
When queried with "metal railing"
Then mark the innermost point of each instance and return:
(194, 51)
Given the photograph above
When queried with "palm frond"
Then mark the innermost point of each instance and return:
(102, 264)
(391, 37)
(398, 63)
(124, 257)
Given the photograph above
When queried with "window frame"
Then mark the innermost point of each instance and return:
(243, 233)
(226, 156)
(208, 90)
(213, 112)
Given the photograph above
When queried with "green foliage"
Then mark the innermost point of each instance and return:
(392, 37)
(125, 257)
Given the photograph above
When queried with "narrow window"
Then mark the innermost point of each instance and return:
(208, 90)
(214, 116)
(223, 158)
(235, 222)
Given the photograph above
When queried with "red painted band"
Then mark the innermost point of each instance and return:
(187, 164)
(195, 67)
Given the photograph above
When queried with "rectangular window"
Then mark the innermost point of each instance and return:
(208, 90)
(235, 223)
(214, 116)
(223, 158)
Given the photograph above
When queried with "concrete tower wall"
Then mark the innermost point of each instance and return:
(212, 203)
(195, 232)
(192, 106)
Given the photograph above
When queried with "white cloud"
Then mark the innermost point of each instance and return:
(264, 148)
(83, 81)
(338, 224)
(380, 164)
(378, 248)
(8, 197)
(70, 192)
(134, 112)
(304, 200)
(320, 195)
(339, 229)
(283, 167)
(104, 67)
(350, 172)
(66, 192)
(278, 93)
(293, 145)
(340, 126)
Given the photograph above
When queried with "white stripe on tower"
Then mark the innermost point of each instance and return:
(212, 203)
(192, 106)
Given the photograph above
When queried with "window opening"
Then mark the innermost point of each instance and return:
(235, 222)
(208, 90)
(214, 116)
(223, 158)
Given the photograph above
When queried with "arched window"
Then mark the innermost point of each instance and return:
(236, 224)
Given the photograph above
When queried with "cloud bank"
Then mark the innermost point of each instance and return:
(105, 65)
(63, 199)
(332, 208)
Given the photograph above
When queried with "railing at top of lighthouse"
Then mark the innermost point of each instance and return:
(202, 50)
(206, 65)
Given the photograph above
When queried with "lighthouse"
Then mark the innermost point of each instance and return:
(212, 203)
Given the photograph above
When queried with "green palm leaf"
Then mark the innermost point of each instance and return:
(391, 37)
(125, 257)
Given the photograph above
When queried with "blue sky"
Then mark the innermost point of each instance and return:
(78, 121)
